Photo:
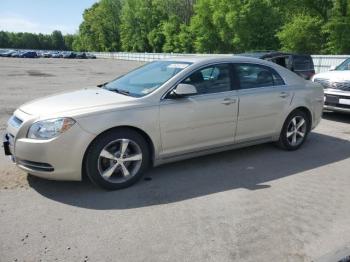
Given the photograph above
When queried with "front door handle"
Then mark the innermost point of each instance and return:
(229, 101)
(284, 94)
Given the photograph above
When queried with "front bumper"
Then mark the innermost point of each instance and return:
(6, 145)
(60, 158)
(337, 101)
(336, 109)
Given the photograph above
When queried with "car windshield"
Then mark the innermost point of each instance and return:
(344, 66)
(146, 79)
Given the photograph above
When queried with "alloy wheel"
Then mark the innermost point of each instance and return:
(119, 160)
(296, 131)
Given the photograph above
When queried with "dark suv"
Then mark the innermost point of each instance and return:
(298, 63)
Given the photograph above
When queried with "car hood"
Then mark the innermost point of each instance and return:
(334, 76)
(75, 101)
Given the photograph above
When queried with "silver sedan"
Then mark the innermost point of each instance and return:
(161, 112)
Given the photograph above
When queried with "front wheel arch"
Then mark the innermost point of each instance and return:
(118, 128)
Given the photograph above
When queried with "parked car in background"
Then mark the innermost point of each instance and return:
(57, 55)
(40, 53)
(47, 54)
(159, 113)
(7, 53)
(28, 54)
(69, 54)
(17, 53)
(81, 55)
(298, 63)
(336, 85)
(90, 56)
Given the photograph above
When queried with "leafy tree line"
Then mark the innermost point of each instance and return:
(206, 26)
(54, 41)
(216, 26)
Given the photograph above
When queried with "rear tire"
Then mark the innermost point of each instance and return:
(295, 131)
(117, 159)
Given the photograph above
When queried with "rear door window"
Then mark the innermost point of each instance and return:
(255, 76)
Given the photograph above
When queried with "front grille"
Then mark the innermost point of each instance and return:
(337, 105)
(35, 165)
(344, 85)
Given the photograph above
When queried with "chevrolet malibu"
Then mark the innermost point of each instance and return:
(161, 112)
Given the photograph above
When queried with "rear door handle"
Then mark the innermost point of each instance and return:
(229, 101)
(284, 94)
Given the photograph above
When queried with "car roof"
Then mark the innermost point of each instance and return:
(215, 58)
(254, 54)
(270, 54)
(198, 61)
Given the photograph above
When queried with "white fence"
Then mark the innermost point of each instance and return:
(325, 62)
(322, 62)
(146, 57)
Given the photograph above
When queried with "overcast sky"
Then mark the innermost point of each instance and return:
(42, 16)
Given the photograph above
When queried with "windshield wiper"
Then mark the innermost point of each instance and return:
(102, 85)
(121, 91)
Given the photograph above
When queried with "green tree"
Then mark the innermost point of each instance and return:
(140, 29)
(288, 9)
(255, 26)
(45, 41)
(206, 37)
(77, 44)
(206, 26)
(175, 25)
(4, 39)
(57, 40)
(186, 39)
(303, 34)
(235, 25)
(29, 41)
(100, 29)
(338, 29)
(68, 41)
(171, 30)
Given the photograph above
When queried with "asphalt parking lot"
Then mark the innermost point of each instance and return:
(252, 204)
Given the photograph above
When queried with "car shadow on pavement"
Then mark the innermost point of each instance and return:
(338, 117)
(250, 168)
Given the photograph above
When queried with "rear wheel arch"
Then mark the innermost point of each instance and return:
(292, 130)
(306, 111)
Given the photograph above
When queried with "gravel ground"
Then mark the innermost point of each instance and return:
(253, 204)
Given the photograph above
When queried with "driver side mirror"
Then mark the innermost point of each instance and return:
(332, 68)
(183, 90)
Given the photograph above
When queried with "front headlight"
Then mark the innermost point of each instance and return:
(50, 128)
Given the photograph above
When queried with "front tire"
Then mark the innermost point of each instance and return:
(295, 131)
(117, 159)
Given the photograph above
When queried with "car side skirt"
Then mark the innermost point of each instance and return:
(214, 150)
